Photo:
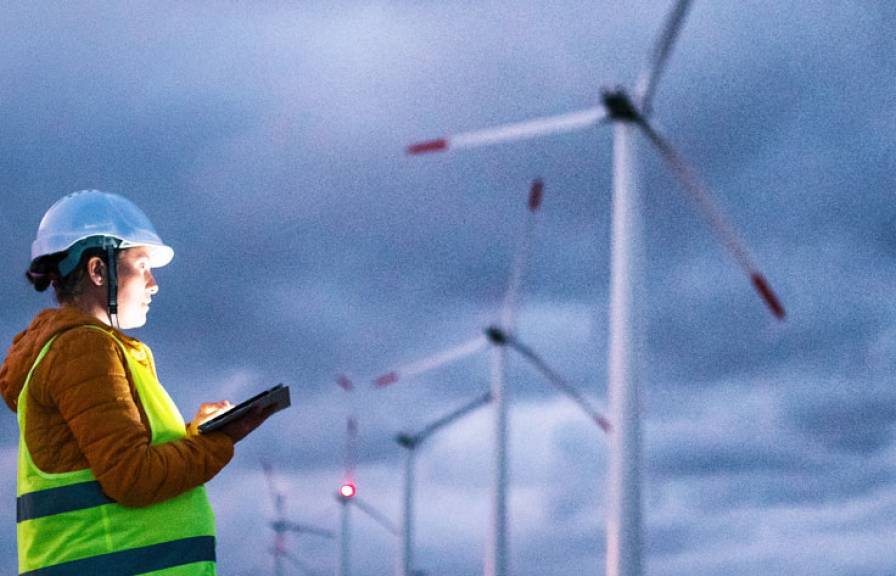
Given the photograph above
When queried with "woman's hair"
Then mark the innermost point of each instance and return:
(44, 272)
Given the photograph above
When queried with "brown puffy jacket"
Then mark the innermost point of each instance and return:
(83, 411)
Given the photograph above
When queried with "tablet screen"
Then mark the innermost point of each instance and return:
(277, 396)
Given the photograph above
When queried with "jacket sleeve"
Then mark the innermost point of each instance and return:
(90, 388)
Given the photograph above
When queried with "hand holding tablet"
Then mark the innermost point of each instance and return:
(272, 400)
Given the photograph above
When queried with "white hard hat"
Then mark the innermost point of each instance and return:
(99, 217)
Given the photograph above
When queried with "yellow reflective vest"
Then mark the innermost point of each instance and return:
(66, 525)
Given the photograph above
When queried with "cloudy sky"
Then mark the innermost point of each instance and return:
(265, 140)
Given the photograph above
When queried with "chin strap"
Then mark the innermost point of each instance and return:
(112, 281)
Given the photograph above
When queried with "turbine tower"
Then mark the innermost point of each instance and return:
(628, 114)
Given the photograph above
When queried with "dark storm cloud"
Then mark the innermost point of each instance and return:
(266, 144)
(856, 421)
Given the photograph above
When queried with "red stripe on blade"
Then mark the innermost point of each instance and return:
(386, 379)
(535, 194)
(428, 146)
(765, 291)
(344, 382)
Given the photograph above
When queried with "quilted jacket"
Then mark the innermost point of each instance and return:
(83, 411)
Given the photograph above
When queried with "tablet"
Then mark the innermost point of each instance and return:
(277, 396)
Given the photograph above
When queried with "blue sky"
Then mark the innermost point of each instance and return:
(265, 141)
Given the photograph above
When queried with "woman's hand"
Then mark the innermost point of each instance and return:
(207, 411)
(240, 428)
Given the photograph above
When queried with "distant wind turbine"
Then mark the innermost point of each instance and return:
(499, 340)
(282, 526)
(410, 442)
(347, 494)
(628, 115)
(499, 337)
(497, 547)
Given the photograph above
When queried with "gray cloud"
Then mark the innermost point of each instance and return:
(266, 143)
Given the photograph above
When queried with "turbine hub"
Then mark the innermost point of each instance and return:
(496, 335)
(406, 440)
(619, 105)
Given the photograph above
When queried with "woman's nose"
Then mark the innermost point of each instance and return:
(151, 283)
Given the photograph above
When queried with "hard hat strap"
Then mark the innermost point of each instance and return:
(112, 282)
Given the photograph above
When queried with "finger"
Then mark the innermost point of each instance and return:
(207, 409)
(260, 414)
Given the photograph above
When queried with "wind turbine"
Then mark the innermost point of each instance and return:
(628, 114)
(496, 550)
(347, 494)
(281, 526)
(410, 442)
(499, 337)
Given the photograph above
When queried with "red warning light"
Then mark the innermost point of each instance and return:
(347, 490)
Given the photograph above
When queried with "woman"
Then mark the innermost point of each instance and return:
(110, 480)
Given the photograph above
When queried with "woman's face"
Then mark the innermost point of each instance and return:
(136, 287)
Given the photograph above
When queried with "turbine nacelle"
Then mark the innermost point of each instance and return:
(619, 105)
(496, 335)
(406, 440)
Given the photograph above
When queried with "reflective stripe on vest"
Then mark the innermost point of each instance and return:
(58, 500)
(67, 525)
(137, 560)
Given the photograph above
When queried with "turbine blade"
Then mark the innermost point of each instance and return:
(717, 222)
(307, 529)
(351, 446)
(521, 257)
(512, 132)
(647, 82)
(447, 419)
(559, 382)
(430, 363)
(298, 563)
(376, 515)
(345, 382)
(276, 494)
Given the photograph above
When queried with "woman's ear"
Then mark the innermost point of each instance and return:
(96, 270)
